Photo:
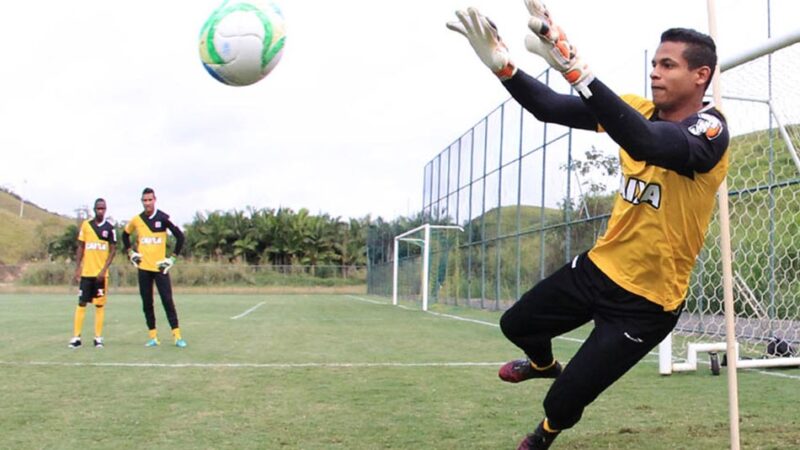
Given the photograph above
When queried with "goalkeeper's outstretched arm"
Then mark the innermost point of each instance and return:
(547, 105)
(663, 143)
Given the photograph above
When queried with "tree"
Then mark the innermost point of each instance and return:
(66, 245)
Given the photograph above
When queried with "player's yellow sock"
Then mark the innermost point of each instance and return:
(176, 333)
(543, 367)
(99, 316)
(546, 426)
(80, 313)
(153, 334)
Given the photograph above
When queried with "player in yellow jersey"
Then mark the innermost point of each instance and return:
(97, 244)
(150, 257)
(633, 281)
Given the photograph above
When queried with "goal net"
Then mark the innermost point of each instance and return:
(425, 265)
(760, 99)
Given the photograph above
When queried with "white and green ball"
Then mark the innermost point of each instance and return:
(242, 41)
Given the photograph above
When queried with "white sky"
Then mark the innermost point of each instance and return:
(103, 98)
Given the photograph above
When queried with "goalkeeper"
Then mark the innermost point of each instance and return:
(633, 281)
(150, 258)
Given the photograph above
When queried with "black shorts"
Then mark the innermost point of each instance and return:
(91, 291)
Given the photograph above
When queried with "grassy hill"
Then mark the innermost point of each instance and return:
(25, 238)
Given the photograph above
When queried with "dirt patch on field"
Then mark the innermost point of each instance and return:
(9, 274)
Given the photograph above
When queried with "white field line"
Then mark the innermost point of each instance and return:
(565, 338)
(450, 316)
(250, 365)
(247, 312)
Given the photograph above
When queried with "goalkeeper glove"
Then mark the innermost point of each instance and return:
(482, 36)
(136, 258)
(165, 264)
(550, 42)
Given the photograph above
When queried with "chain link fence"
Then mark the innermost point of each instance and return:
(531, 196)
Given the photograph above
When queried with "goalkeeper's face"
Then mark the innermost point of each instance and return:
(149, 203)
(673, 84)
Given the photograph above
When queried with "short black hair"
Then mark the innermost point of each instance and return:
(148, 190)
(100, 199)
(700, 48)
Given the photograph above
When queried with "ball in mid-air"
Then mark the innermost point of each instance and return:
(242, 41)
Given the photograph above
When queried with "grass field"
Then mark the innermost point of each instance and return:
(335, 372)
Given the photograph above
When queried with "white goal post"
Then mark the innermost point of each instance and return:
(425, 244)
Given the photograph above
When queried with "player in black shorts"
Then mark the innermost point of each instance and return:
(633, 281)
(97, 244)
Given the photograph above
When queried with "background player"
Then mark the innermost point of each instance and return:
(150, 258)
(97, 245)
(634, 280)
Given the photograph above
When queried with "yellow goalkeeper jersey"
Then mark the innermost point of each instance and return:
(97, 240)
(660, 217)
(151, 238)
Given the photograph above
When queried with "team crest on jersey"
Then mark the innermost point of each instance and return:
(707, 125)
(158, 224)
(105, 233)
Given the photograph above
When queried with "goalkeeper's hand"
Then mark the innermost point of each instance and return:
(135, 257)
(550, 42)
(482, 36)
(165, 264)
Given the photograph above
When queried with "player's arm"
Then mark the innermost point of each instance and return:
(166, 264)
(79, 259)
(666, 144)
(547, 105)
(112, 250)
(179, 237)
(133, 255)
(662, 143)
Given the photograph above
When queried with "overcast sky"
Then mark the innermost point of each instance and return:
(104, 97)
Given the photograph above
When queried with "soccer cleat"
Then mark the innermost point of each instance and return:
(98, 342)
(74, 342)
(521, 370)
(180, 343)
(540, 439)
(152, 343)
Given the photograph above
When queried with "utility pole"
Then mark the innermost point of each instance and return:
(22, 199)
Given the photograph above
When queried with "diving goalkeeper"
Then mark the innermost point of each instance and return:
(632, 283)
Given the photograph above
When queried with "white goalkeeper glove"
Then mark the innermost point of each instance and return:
(482, 36)
(550, 42)
(165, 264)
(136, 258)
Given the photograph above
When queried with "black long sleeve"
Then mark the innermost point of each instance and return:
(179, 238)
(549, 106)
(126, 241)
(660, 142)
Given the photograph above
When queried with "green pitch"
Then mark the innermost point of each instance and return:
(335, 372)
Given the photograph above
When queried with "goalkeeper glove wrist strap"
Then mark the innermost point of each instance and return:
(506, 72)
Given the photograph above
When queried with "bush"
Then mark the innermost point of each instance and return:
(187, 273)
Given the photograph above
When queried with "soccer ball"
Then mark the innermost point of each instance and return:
(242, 41)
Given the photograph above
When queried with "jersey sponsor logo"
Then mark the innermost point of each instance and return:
(707, 125)
(102, 246)
(150, 240)
(637, 192)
